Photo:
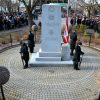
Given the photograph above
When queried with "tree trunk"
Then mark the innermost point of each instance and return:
(9, 4)
(30, 20)
(89, 13)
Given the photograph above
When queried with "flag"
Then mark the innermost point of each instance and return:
(66, 36)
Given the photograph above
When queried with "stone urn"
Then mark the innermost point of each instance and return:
(4, 77)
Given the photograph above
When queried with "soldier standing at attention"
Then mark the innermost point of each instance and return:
(73, 39)
(76, 57)
(24, 54)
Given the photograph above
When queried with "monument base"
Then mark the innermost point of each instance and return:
(34, 63)
(66, 52)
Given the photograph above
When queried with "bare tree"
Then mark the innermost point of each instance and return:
(9, 5)
(91, 7)
(30, 5)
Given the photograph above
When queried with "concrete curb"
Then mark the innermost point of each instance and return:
(16, 45)
(95, 48)
(8, 47)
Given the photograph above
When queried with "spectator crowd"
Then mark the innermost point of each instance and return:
(13, 20)
(91, 23)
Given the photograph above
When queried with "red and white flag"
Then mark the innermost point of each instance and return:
(66, 36)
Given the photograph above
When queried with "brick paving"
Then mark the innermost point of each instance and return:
(52, 83)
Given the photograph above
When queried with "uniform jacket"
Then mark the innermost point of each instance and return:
(24, 52)
(73, 39)
(77, 54)
(31, 42)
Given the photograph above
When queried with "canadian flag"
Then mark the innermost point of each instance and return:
(66, 36)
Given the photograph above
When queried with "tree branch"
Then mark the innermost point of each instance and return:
(23, 1)
(34, 4)
(30, 3)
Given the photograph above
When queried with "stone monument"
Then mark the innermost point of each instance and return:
(51, 33)
(50, 50)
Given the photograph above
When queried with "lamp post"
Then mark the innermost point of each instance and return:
(75, 7)
(18, 6)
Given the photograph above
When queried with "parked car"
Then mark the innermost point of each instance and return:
(38, 9)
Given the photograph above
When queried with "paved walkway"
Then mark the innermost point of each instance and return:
(52, 83)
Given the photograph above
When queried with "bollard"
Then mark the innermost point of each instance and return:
(11, 40)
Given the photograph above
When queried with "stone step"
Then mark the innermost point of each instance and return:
(48, 59)
(49, 54)
(34, 63)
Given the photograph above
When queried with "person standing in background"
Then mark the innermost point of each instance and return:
(31, 42)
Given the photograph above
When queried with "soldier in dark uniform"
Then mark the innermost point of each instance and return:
(24, 54)
(73, 39)
(76, 57)
(31, 42)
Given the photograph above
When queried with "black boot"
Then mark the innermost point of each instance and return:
(76, 66)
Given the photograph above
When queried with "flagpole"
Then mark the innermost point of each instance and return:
(68, 10)
(66, 35)
(75, 7)
(68, 14)
(67, 7)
